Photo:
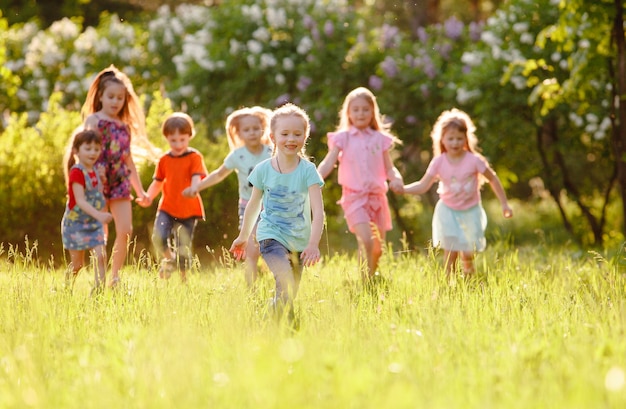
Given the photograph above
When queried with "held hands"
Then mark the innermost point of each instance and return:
(144, 200)
(396, 186)
(190, 192)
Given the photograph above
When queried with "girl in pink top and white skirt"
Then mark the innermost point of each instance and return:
(459, 220)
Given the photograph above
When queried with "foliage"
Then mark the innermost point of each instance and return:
(208, 61)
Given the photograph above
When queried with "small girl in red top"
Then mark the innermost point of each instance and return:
(459, 220)
(82, 227)
(177, 215)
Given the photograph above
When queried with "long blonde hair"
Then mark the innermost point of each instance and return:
(454, 119)
(233, 123)
(131, 113)
(378, 122)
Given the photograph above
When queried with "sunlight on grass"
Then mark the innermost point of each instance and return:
(535, 328)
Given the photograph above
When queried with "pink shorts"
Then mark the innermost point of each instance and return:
(365, 207)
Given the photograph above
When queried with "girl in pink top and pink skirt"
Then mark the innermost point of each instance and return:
(361, 144)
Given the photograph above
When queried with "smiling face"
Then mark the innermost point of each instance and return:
(289, 134)
(454, 142)
(250, 130)
(113, 99)
(179, 142)
(88, 153)
(360, 113)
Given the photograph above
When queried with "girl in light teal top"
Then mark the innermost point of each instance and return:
(288, 188)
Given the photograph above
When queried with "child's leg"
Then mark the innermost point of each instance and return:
(252, 260)
(281, 263)
(163, 225)
(449, 258)
(77, 260)
(468, 262)
(101, 266)
(370, 246)
(184, 242)
(123, 219)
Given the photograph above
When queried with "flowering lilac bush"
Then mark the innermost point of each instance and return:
(209, 61)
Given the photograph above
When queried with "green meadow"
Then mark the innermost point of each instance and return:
(535, 328)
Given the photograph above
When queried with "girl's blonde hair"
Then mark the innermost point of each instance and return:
(233, 123)
(378, 122)
(178, 121)
(454, 119)
(290, 109)
(131, 113)
(79, 138)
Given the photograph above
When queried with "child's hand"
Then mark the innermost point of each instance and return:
(310, 256)
(396, 186)
(102, 173)
(144, 201)
(238, 248)
(507, 212)
(190, 192)
(105, 217)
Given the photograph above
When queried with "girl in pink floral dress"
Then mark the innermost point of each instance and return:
(113, 110)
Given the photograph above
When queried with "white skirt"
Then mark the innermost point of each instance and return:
(459, 230)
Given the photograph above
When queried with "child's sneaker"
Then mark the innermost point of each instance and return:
(167, 268)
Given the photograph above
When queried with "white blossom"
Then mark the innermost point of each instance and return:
(235, 46)
(85, 42)
(261, 34)
(252, 12)
(279, 78)
(490, 38)
(463, 95)
(65, 29)
(288, 64)
(267, 60)
(305, 45)
(473, 59)
(276, 18)
(254, 46)
(521, 27)
(519, 82)
(527, 38)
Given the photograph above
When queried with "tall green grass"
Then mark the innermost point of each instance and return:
(536, 328)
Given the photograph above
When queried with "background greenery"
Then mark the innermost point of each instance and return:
(543, 101)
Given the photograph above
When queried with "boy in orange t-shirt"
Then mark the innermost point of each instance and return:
(177, 215)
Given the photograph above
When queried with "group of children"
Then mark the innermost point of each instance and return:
(281, 209)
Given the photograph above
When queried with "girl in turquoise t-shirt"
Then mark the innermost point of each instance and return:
(287, 193)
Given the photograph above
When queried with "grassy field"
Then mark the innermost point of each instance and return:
(534, 329)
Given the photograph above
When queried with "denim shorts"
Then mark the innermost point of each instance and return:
(284, 265)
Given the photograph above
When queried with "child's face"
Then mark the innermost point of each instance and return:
(88, 153)
(113, 99)
(179, 142)
(360, 113)
(289, 134)
(454, 141)
(250, 131)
